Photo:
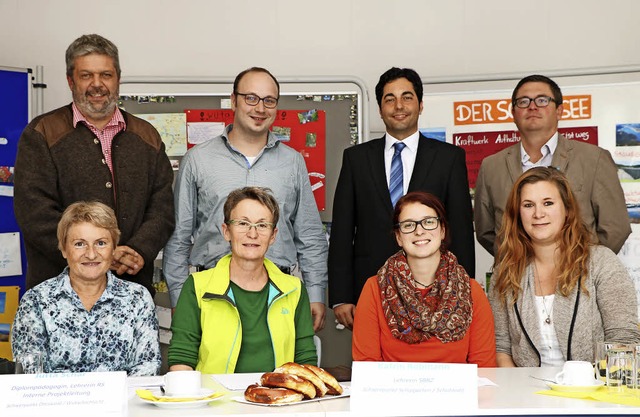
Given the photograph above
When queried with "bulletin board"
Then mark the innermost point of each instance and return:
(303, 130)
(337, 106)
(15, 113)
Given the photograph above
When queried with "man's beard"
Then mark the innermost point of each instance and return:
(90, 110)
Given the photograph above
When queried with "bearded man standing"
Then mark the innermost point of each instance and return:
(91, 150)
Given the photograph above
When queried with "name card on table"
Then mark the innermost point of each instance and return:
(407, 388)
(79, 394)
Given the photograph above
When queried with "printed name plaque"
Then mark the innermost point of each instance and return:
(71, 394)
(413, 389)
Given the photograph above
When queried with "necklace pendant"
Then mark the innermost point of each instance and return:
(547, 320)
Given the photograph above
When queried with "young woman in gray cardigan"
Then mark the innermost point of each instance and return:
(555, 294)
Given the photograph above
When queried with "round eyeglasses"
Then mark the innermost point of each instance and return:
(540, 101)
(253, 100)
(243, 226)
(409, 226)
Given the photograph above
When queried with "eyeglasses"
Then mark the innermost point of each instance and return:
(253, 100)
(541, 101)
(410, 226)
(243, 226)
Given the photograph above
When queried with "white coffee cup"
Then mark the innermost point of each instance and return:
(578, 373)
(182, 383)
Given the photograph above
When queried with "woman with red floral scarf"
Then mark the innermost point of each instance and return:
(422, 306)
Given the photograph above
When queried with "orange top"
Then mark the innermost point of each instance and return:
(373, 341)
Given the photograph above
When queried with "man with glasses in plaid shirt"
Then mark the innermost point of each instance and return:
(537, 108)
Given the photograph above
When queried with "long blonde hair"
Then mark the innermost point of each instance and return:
(515, 250)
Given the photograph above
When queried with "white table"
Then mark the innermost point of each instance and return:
(515, 395)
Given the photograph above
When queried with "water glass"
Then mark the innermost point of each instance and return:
(29, 363)
(635, 377)
(601, 357)
(620, 366)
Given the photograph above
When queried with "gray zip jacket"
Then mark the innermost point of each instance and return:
(609, 312)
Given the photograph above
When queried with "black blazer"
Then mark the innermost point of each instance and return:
(362, 231)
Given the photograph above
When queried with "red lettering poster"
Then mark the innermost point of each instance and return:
(479, 145)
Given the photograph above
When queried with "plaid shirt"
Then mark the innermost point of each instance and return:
(106, 135)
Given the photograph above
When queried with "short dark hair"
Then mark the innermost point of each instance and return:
(254, 69)
(91, 44)
(429, 200)
(536, 78)
(260, 194)
(395, 73)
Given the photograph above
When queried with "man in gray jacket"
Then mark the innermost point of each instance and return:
(537, 107)
(247, 154)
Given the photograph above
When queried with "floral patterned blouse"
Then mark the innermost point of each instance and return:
(119, 333)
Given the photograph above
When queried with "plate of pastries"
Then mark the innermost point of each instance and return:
(293, 383)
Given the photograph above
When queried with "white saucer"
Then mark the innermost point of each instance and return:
(576, 388)
(199, 402)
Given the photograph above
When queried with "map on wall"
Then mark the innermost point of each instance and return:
(173, 130)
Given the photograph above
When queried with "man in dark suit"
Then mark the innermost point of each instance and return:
(372, 179)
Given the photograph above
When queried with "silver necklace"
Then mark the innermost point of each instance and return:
(544, 298)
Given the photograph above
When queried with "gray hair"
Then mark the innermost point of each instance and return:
(260, 194)
(91, 44)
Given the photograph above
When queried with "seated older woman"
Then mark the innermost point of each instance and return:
(86, 319)
(243, 315)
(422, 306)
(555, 293)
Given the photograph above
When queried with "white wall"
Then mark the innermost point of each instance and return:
(330, 37)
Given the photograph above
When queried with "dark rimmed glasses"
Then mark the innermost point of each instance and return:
(540, 101)
(243, 226)
(253, 100)
(409, 226)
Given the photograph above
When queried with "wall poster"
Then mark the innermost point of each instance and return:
(303, 130)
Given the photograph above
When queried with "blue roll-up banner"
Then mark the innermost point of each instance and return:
(15, 113)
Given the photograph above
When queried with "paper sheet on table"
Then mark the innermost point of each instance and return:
(486, 382)
(236, 382)
(627, 397)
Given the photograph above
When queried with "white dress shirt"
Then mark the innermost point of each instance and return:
(548, 149)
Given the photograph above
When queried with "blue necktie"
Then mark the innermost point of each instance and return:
(395, 178)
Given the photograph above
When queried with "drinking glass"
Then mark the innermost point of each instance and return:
(601, 357)
(635, 376)
(620, 365)
(29, 363)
